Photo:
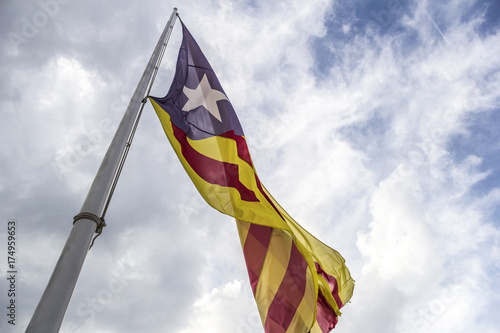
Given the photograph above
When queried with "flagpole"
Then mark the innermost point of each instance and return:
(49, 313)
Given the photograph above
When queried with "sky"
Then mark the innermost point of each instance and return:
(373, 123)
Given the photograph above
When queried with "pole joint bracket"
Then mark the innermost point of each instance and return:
(98, 220)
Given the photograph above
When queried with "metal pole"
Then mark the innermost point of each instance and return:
(49, 314)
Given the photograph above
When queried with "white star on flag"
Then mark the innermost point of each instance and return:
(204, 95)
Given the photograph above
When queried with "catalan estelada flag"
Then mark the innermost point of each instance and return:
(298, 282)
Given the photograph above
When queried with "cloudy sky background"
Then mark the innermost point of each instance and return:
(374, 123)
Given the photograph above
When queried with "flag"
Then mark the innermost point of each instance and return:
(298, 282)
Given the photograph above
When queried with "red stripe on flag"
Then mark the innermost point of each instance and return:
(325, 315)
(241, 145)
(213, 171)
(255, 251)
(244, 154)
(332, 282)
(290, 292)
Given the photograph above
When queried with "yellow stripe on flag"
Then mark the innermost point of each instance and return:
(225, 150)
(273, 270)
(306, 310)
(218, 148)
(316, 328)
(243, 228)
